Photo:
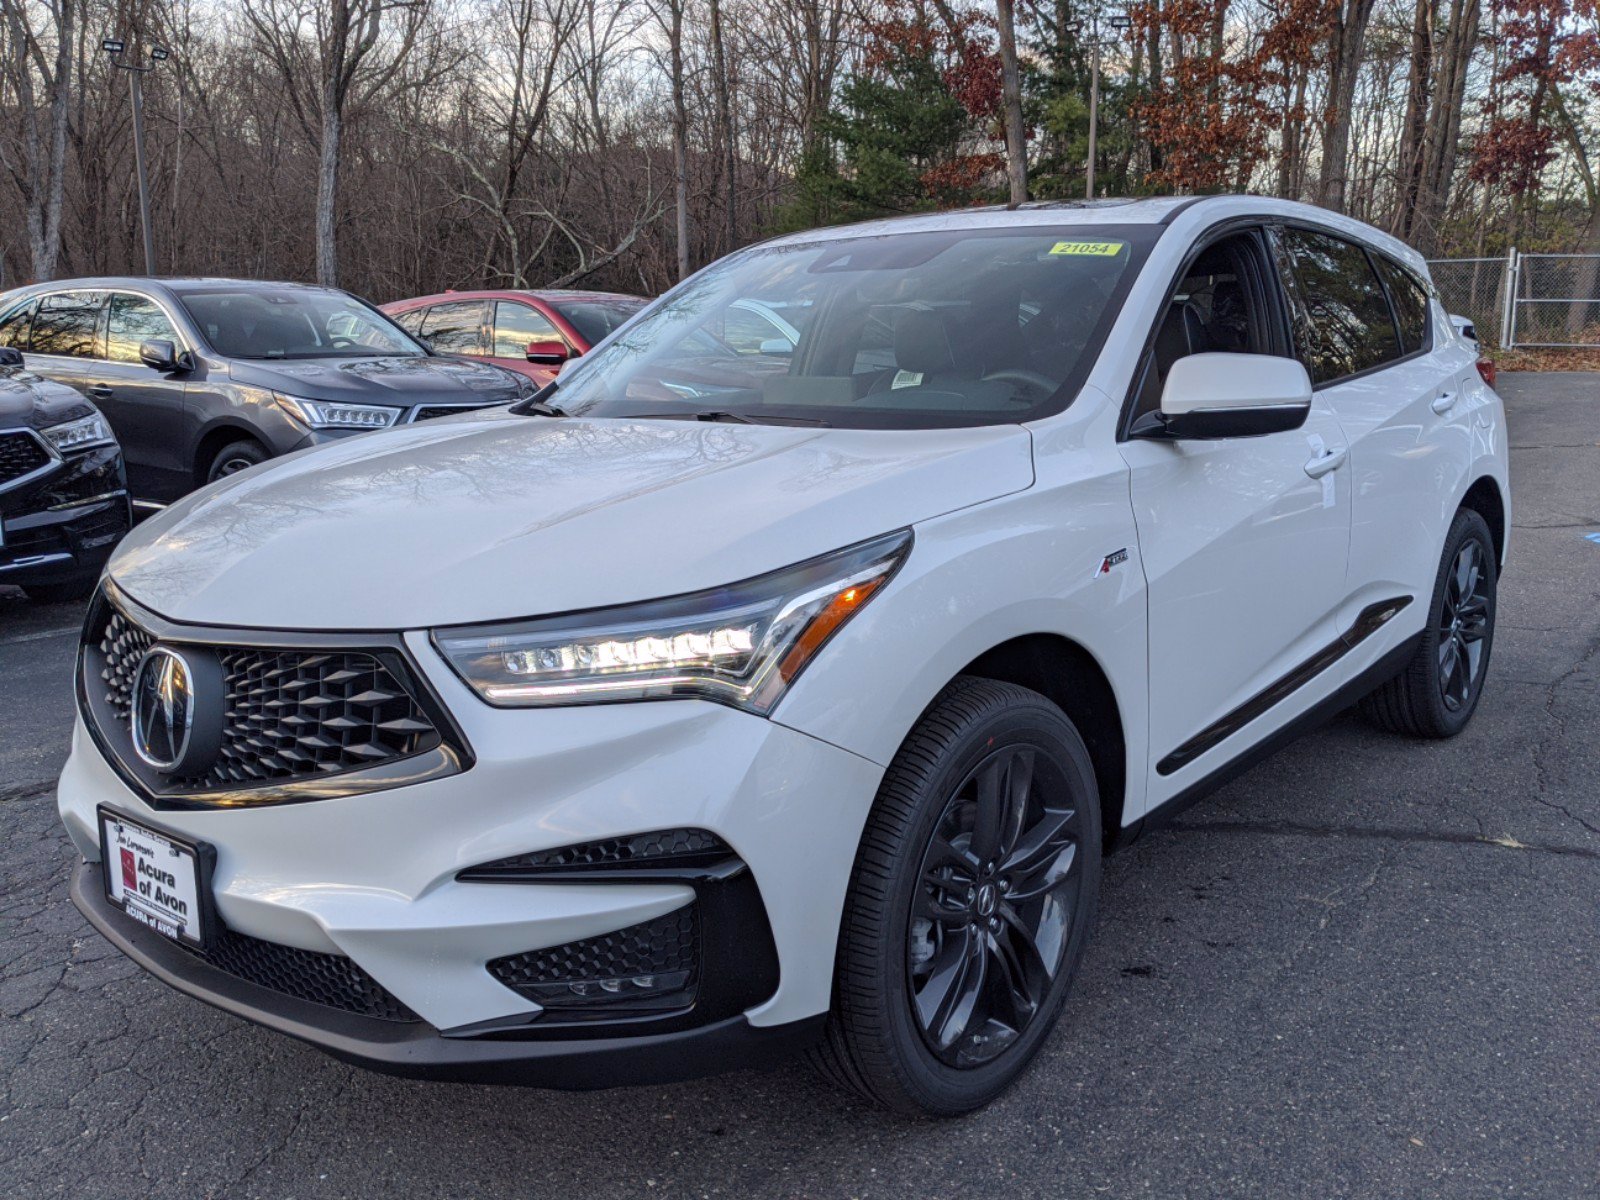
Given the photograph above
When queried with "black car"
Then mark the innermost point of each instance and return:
(63, 496)
(203, 377)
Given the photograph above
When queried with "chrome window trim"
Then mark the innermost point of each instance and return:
(177, 326)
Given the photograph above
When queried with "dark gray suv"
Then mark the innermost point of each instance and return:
(203, 377)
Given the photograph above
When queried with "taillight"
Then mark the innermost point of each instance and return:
(1486, 370)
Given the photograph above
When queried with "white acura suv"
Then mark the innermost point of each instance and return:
(727, 699)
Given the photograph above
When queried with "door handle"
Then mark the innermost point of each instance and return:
(1444, 402)
(98, 391)
(1325, 462)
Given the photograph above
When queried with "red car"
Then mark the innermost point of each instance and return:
(531, 332)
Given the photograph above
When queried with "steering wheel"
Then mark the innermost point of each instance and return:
(341, 343)
(1023, 376)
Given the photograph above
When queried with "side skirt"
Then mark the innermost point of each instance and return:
(1368, 621)
(1385, 669)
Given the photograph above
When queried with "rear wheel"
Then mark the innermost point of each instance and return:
(236, 457)
(973, 898)
(1436, 693)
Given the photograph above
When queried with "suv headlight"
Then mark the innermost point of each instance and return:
(330, 414)
(82, 434)
(741, 645)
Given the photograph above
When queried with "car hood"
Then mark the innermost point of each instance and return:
(382, 380)
(500, 516)
(28, 401)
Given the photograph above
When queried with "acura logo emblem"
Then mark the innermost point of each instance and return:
(177, 710)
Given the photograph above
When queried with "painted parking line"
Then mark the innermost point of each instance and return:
(40, 635)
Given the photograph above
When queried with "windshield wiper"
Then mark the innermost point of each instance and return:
(538, 404)
(725, 416)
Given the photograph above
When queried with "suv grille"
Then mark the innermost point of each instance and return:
(20, 454)
(647, 965)
(289, 713)
(329, 979)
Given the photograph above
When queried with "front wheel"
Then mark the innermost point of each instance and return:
(235, 457)
(973, 897)
(1436, 693)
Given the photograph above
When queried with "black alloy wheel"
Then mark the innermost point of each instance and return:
(989, 924)
(1463, 626)
(1436, 693)
(972, 899)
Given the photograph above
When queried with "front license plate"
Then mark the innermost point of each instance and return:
(155, 878)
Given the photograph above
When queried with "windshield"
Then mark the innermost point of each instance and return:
(295, 323)
(904, 330)
(596, 319)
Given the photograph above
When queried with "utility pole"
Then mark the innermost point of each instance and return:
(1118, 22)
(115, 47)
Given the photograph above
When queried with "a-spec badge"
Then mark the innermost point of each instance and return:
(1115, 559)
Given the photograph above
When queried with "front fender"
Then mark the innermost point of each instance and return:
(1024, 564)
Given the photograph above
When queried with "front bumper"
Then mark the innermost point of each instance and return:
(62, 526)
(373, 877)
(418, 1051)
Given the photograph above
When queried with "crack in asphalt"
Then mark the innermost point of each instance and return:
(1382, 833)
(1555, 734)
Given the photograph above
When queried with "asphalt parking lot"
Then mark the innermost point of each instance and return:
(1367, 968)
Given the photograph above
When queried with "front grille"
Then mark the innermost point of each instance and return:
(660, 848)
(20, 454)
(647, 965)
(329, 979)
(290, 713)
(427, 412)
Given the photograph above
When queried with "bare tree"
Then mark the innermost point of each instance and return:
(669, 15)
(1347, 39)
(1011, 91)
(725, 132)
(38, 69)
(334, 46)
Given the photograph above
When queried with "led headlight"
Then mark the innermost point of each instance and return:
(740, 645)
(330, 414)
(81, 434)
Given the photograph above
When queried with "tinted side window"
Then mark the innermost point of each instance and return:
(1410, 304)
(66, 324)
(132, 320)
(14, 325)
(455, 328)
(1346, 326)
(515, 325)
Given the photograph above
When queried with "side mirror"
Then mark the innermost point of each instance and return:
(159, 354)
(10, 356)
(549, 354)
(1229, 395)
(777, 345)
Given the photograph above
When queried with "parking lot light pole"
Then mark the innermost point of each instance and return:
(115, 47)
(1119, 22)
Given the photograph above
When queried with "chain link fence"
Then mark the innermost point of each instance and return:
(1535, 300)
(1557, 302)
(1474, 288)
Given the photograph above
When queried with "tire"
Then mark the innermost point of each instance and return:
(61, 593)
(887, 1037)
(1428, 698)
(236, 457)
